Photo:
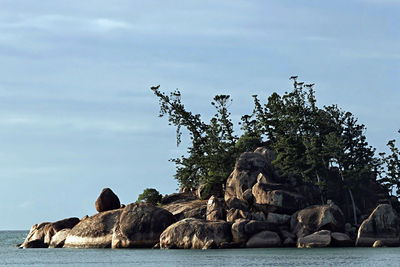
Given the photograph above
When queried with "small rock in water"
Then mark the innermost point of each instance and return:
(378, 244)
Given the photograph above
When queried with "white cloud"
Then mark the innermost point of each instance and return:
(61, 24)
(105, 24)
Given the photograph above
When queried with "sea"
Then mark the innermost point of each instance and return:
(10, 255)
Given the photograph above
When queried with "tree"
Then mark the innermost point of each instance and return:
(150, 195)
(212, 153)
(391, 177)
(308, 140)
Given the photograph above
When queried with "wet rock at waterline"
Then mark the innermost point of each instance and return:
(316, 240)
(264, 239)
(193, 233)
(41, 234)
(383, 225)
(94, 232)
(315, 218)
(140, 225)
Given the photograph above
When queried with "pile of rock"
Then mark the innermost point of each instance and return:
(256, 211)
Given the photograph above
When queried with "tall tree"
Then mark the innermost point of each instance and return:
(391, 176)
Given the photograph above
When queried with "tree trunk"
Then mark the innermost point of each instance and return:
(354, 206)
(320, 190)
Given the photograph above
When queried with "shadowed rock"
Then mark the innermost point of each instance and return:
(216, 209)
(341, 240)
(315, 218)
(316, 240)
(247, 168)
(382, 224)
(58, 240)
(264, 239)
(107, 200)
(94, 232)
(140, 225)
(41, 234)
(187, 209)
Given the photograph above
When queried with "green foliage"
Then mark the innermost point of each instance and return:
(308, 140)
(391, 174)
(150, 195)
(212, 153)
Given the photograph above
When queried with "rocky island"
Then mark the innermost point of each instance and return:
(298, 176)
(254, 210)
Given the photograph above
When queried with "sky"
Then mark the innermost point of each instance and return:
(77, 114)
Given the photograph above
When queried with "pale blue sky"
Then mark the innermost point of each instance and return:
(77, 115)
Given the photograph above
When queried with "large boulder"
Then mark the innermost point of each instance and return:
(187, 209)
(242, 229)
(382, 224)
(140, 225)
(216, 209)
(239, 234)
(247, 168)
(193, 233)
(253, 227)
(276, 197)
(107, 200)
(58, 240)
(264, 239)
(94, 232)
(41, 234)
(316, 240)
(317, 217)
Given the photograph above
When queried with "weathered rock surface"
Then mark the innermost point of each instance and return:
(316, 240)
(58, 240)
(268, 154)
(247, 168)
(382, 224)
(188, 209)
(41, 234)
(253, 227)
(140, 225)
(277, 197)
(216, 209)
(193, 233)
(378, 244)
(315, 218)
(233, 214)
(264, 239)
(238, 231)
(243, 229)
(107, 200)
(94, 232)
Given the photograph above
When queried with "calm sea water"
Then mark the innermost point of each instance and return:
(10, 255)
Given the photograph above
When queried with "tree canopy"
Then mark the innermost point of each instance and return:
(150, 195)
(308, 140)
